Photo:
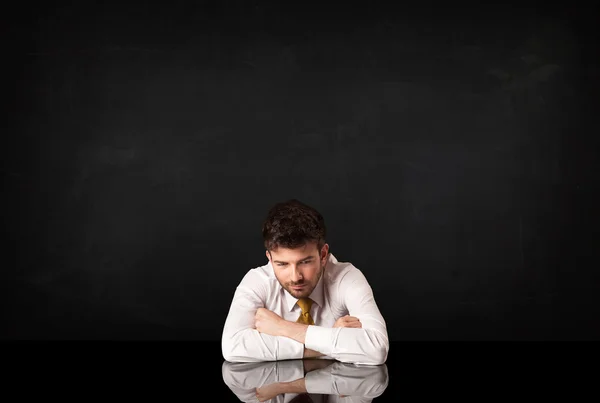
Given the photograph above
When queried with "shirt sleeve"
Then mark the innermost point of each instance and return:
(367, 345)
(240, 341)
(362, 381)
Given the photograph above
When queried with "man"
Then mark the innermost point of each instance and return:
(303, 303)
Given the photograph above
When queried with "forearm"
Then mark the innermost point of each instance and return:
(297, 332)
(296, 386)
(294, 331)
(308, 353)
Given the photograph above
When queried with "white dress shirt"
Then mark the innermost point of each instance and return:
(342, 290)
(357, 383)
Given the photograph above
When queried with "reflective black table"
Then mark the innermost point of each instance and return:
(308, 380)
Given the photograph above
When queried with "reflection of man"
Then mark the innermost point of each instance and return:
(317, 381)
(303, 303)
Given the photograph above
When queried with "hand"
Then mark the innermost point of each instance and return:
(268, 322)
(348, 321)
(267, 392)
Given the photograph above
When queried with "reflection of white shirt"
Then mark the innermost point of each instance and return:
(342, 290)
(358, 383)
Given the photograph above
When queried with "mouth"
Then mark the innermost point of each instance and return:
(298, 287)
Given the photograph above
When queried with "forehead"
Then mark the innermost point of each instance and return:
(292, 255)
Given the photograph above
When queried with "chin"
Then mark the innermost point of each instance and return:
(299, 294)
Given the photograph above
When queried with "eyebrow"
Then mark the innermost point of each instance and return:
(306, 258)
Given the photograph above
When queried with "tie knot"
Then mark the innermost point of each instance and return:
(305, 304)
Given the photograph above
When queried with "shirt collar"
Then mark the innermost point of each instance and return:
(316, 295)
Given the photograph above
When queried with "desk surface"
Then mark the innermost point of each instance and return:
(311, 380)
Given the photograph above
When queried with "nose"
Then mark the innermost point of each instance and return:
(296, 274)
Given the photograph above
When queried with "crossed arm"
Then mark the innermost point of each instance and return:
(269, 322)
(253, 333)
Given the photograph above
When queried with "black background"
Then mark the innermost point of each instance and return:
(451, 149)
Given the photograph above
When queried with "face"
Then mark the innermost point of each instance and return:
(299, 270)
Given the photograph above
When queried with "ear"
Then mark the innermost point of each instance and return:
(268, 255)
(324, 251)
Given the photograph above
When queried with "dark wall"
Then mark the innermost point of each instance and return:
(451, 152)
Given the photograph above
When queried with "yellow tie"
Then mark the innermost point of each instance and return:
(305, 304)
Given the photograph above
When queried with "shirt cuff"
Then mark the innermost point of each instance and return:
(289, 349)
(319, 339)
(319, 382)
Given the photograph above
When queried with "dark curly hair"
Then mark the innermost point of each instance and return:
(291, 224)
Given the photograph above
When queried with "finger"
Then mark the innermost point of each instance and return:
(352, 319)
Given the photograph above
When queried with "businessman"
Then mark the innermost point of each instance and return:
(303, 303)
